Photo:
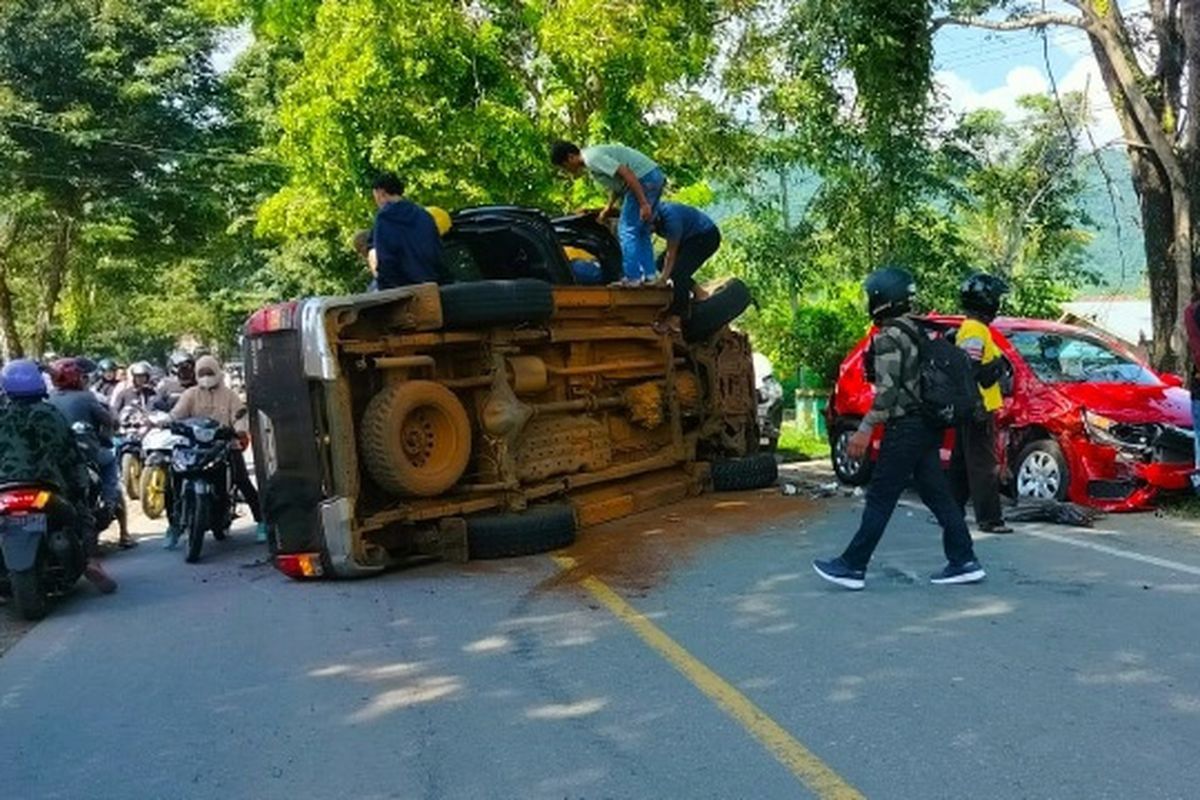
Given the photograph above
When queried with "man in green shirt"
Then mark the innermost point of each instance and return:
(626, 175)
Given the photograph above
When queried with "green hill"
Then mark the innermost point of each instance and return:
(1115, 252)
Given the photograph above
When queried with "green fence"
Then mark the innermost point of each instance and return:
(810, 411)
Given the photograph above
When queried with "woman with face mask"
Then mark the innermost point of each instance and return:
(210, 398)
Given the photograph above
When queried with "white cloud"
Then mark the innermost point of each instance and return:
(1082, 76)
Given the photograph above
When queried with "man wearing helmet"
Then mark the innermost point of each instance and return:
(976, 473)
(181, 377)
(79, 405)
(137, 393)
(910, 447)
(36, 444)
(106, 381)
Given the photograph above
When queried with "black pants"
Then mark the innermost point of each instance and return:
(241, 479)
(693, 252)
(909, 449)
(976, 473)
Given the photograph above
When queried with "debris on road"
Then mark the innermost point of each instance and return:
(1054, 511)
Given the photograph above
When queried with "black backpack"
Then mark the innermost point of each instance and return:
(949, 393)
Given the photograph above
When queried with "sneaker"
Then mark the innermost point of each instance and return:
(260, 533)
(99, 578)
(969, 572)
(995, 527)
(835, 570)
(171, 538)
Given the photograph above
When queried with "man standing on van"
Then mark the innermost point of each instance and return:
(405, 247)
(910, 447)
(629, 177)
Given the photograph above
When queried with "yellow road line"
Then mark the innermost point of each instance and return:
(814, 773)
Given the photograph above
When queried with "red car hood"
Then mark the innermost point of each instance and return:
(1127, 402)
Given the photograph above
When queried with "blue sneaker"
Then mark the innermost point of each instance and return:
(260, 533)
(835, 570)
(171, 538)
(968, 572)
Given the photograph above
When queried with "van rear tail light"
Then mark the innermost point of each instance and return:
(281, 317)
(22, 501)
(300, 565)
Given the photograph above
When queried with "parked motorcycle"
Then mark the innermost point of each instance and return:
(157, 446)
(200, 471)
(769, 392)
(132, 427)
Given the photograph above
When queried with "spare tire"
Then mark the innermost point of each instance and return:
(486, 304)
(535, 530)
(416, 438)
(722, 307)
(741, 474)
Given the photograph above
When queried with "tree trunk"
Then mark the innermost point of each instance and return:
(1154, 199)
(56, 274)
(10, 338)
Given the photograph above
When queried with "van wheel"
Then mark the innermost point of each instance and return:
(535, 530)
(416, 438)
(850, 471)
(1042, 472)
(489, 303)
(742, 474)
(723, 306)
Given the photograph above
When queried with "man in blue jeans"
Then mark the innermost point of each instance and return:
(631, 178)
(910, 447)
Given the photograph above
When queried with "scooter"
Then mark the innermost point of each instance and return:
(769, 394)
(132, 427)
(200, 471)
(158, 444)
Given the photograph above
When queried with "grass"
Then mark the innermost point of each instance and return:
(798, 445)
(1183, 506)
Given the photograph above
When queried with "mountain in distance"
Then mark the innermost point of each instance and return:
(1115, 252)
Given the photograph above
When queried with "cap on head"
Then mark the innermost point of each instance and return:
(22, 380)
(890, 292)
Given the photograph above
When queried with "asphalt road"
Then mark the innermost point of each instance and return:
(689, 653)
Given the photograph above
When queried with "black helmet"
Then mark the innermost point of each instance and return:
(890, 292)
(981, 294)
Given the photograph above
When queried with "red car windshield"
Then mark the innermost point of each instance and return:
(1057, 357)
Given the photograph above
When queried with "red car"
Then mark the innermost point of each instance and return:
(1087, 421)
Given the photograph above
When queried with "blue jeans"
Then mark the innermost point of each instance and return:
(637, 251)
(909, 450)
(110, 481)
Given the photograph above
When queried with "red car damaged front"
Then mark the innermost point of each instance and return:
(1087, 420)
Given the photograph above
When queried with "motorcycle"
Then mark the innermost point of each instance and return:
(157, 446)
(769, 394)
(41, 551)
(200, 471)
(132, 427)
(103, 513)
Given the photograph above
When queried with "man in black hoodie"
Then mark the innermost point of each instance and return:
(405, 245)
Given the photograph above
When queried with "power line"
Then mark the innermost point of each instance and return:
(229, 157)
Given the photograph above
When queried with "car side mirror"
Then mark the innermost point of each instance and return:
(1171, 379)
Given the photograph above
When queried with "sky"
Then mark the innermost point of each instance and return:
(981, 69)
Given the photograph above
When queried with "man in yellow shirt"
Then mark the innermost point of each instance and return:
(981, 296)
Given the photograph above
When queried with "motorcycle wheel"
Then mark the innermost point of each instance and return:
(197, 523)
(131, 475)
(153, 491)
(29, 595)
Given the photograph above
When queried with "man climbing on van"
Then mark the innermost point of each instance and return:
(405, 246)
(630, 178)
(692, 239)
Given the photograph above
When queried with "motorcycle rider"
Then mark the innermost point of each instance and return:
(78, 405)
(138, 393)
(106, 381)
(36, 444)
(212, 399)
(181, 377)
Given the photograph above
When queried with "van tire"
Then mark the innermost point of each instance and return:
(742, 474)
(486, 304)
(416, 438)
(722, 307)
(535, 530)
